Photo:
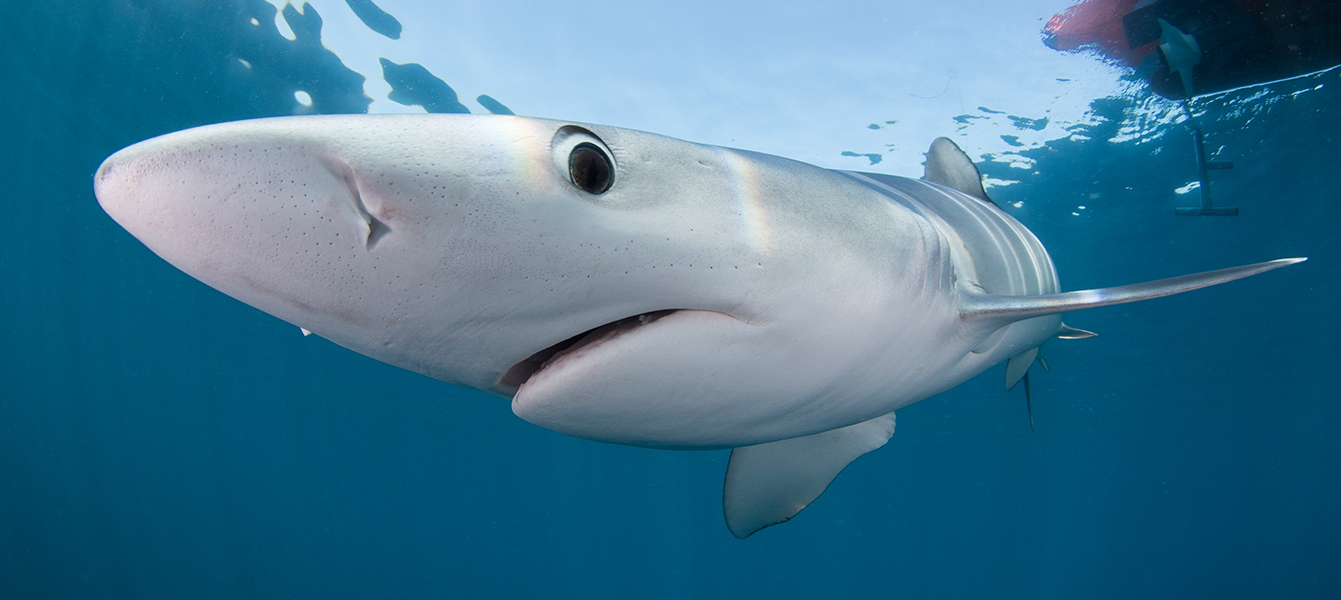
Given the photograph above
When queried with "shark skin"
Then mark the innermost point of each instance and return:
(617, 285)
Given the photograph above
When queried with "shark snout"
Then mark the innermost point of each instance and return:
(101, 185)
(116, 182)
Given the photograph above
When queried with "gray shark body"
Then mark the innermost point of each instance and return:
(618, 285)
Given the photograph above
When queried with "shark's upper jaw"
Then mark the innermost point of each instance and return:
(520, 373)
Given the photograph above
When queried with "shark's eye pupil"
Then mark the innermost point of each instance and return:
(590, 168)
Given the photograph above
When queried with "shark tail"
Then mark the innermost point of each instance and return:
(996, 311)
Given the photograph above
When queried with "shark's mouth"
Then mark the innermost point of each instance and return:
(521, 372)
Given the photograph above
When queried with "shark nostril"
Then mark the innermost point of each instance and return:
(376, 229)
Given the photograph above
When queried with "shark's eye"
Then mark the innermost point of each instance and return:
(583, 159)
(590, 169)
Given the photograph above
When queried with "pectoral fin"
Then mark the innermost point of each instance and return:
(769, 483)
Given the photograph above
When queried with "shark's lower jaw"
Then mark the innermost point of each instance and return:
(520, 373)
(614, 384)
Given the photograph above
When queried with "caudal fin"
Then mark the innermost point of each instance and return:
(1008, 309)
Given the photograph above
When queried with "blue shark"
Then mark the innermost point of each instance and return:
(617, 285)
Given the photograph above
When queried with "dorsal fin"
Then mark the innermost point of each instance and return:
(997, 311)
(950, 167)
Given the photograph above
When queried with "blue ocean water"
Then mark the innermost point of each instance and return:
(159, 439)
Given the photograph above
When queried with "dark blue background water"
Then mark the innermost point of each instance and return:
(159, 439)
